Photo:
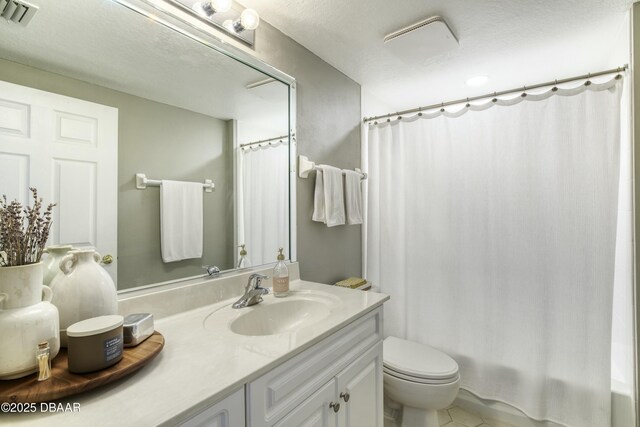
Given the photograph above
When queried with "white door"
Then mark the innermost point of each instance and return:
(360, 391)
(68, 149)
(316, 411)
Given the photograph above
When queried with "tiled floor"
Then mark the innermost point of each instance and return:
(458, 417)
(454, 416)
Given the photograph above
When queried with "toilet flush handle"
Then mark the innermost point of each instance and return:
(345, 396)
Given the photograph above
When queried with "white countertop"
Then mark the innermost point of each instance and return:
(199, 366)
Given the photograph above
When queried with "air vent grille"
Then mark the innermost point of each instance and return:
(16, 11)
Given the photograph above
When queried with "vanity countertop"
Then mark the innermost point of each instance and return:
(200, 366)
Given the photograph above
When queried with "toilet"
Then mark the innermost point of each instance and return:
(420, 378)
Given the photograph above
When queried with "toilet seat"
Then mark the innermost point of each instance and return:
(420, 363)
(418, 380)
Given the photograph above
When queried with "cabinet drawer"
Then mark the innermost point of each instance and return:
(278, 392)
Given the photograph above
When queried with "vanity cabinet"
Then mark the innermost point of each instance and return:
(337, 382)
(229, 412)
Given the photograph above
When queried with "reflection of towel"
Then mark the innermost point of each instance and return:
(180, 220)
(353, 197)
(318, 199)
(329, 196)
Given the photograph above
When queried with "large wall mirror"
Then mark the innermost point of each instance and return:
(93, 92)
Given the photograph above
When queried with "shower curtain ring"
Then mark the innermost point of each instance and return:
(555, 87)
(588, 82)
(468, 105)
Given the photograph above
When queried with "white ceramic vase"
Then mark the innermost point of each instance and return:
(27, 318)
(83, 291)
(52, 261)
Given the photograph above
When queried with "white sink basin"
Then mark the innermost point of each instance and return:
(276, 315)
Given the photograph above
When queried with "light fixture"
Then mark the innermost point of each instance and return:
(477, 80)
(224, 15)
(249, 20)
(210, 7)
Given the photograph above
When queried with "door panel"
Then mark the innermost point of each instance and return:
(314, 411)
(68, 149)
(362, 381)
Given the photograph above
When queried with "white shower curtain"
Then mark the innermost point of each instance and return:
(494, 232)
(263, 223)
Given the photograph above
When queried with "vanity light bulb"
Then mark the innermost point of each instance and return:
(249, 19)
(221, 5)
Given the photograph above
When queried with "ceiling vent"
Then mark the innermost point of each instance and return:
(17, 11)
(424, 39)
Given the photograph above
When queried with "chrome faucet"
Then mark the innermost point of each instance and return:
(252, 292)
(212, 270)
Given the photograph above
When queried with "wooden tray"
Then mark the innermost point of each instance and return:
(63, 383)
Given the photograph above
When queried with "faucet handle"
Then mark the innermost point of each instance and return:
(258, 278)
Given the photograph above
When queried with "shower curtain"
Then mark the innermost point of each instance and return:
(494, 232)
(263, 222)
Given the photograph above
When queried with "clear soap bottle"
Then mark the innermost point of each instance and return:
(280, 277)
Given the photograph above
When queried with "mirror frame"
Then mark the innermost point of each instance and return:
(174, 18)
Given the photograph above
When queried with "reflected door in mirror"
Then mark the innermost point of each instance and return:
(67, 149)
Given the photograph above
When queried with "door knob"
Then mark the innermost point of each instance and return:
(107, 259)
(335, 406)
(345, 396)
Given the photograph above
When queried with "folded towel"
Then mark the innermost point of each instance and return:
(353, 197)
(181, 218)
(318, 199)
(333, 195)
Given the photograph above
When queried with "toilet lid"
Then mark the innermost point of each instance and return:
(417, 380)
(417, 360)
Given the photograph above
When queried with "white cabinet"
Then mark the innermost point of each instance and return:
(337, 382)
(334, 383)
(229, 412)
(316, 411)
(360, 391)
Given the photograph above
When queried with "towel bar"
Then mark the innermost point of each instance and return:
(305, 166)
(143, 182)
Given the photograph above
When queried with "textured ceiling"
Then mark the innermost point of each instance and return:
(513, 42)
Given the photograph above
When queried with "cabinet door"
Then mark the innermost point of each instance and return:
(315, 411)
(362, 383)
(228, 412)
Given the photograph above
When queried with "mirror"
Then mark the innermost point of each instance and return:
(93, 92)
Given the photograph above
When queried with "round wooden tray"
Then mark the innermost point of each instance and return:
(63, 383)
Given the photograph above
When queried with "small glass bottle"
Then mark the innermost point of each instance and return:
(44, 361)
(280, 277)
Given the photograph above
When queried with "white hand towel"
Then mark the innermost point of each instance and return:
(353, 196)
(333, 195)
(318, 199)
(181, 218)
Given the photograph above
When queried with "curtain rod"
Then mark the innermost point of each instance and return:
(277, 138)
(494, 94)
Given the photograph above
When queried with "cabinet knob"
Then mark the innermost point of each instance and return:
(107, 259)
(345, 396)
(335, 406)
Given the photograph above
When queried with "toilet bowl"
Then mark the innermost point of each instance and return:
(420, 378)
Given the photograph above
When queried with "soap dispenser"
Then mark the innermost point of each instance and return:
(243, 262)
(280, 277)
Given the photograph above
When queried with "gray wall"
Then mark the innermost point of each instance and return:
(328, 131)
(164, 142)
